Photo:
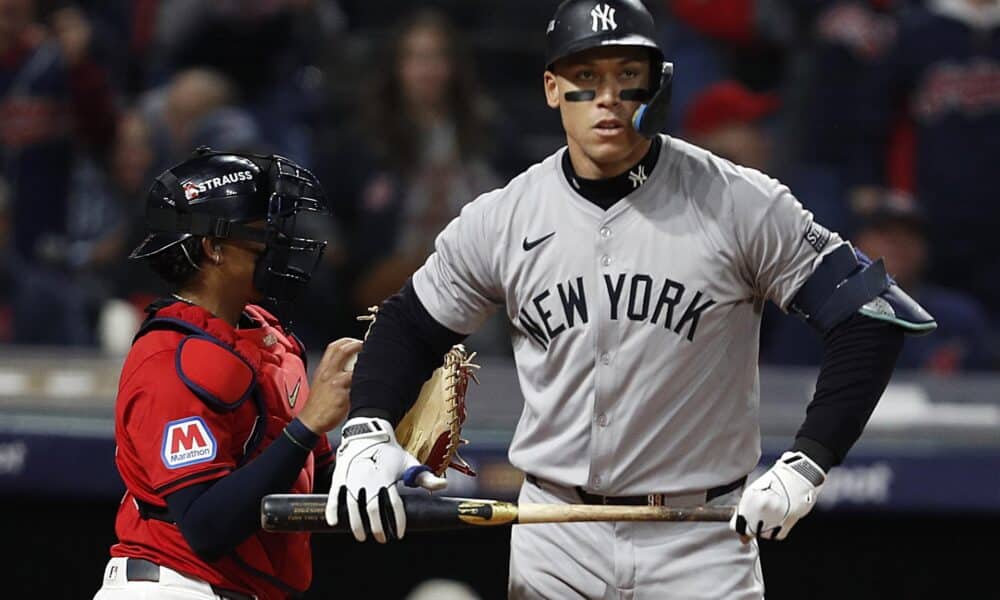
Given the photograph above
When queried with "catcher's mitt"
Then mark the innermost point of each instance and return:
(432, 429)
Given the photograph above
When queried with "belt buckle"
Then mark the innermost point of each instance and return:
(654, 500)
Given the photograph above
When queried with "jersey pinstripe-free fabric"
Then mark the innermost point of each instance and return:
(635, 329)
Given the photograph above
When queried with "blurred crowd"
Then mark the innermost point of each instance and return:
(882, 116)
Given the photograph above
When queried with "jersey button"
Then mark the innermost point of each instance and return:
(606, 260)
(595, 481)
(605, 232)
(606, 359)
(602, 420)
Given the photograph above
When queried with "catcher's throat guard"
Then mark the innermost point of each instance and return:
(431, 430)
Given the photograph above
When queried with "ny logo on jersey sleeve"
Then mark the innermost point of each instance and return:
(187, 442)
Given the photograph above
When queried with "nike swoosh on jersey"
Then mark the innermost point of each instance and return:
(293, 396)
(530, 245)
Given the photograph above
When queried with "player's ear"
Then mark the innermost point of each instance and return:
(210, 247)
(551, 89)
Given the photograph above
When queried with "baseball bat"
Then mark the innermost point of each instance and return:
(306, 512)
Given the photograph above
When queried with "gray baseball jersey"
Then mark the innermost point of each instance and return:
(635, 329)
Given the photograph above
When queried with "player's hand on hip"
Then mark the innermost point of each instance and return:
(369, 463)
(329, 394)
(771, 505)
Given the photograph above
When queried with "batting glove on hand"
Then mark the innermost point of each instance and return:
(369, 463)
(772, 504)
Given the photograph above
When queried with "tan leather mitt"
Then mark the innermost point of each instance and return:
(432, 429)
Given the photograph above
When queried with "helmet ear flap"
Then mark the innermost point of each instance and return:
(650, 118)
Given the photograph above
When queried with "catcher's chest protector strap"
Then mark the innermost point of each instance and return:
(213, 371)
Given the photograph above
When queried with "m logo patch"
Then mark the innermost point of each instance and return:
(187, 442)
(604, 18)
(817, 236)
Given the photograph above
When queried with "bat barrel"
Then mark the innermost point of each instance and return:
(584, 513)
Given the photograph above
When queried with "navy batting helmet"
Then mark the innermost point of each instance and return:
(580, 25)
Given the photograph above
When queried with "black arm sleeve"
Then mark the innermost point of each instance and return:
(401, 351)
(859, 356)
(215, 517)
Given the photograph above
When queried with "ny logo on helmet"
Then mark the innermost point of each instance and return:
(606, 15)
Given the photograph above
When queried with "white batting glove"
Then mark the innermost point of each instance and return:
(369, 463)
(773, 504)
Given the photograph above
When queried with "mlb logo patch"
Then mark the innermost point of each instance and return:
(187, 442)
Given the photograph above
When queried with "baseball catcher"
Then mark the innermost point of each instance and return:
(214, 409)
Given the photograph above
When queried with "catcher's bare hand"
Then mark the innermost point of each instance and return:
(369, 464)
(329, 395)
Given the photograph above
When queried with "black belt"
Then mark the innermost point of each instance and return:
(648, 499)
(139, 569)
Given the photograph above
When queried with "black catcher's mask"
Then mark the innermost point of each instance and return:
(242, 197)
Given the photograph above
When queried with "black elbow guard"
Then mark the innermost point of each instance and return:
(847, 282)
(897, 307)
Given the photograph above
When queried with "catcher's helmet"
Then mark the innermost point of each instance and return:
(216, 194)
(583, 24)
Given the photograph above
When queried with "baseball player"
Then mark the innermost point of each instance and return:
(214, 410)
(633, 267)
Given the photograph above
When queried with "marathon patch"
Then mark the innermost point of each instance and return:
(187, 442)
(817, 236)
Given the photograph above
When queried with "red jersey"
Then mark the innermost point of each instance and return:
(191, 394)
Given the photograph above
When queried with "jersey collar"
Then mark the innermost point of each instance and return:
(606, 192)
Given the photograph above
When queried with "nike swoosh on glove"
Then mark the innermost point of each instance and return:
(771, 505)
(369, 464)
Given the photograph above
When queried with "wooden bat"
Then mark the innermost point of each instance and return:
(306, 512)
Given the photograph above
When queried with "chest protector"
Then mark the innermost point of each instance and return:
(226, 368)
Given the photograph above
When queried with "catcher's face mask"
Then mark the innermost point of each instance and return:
(289, 258)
